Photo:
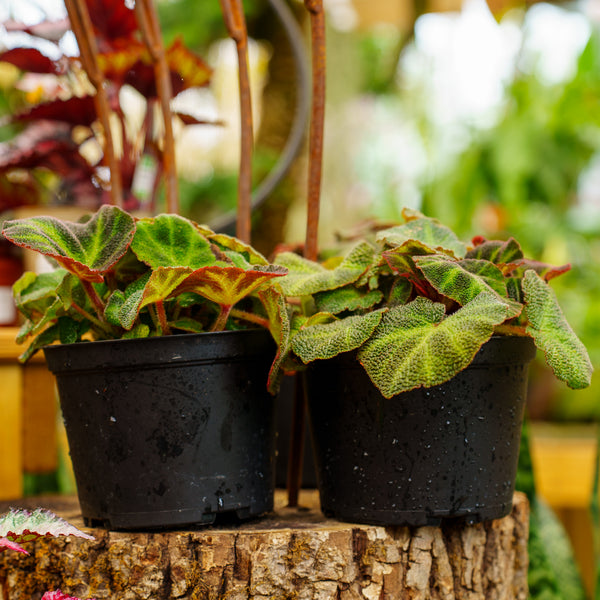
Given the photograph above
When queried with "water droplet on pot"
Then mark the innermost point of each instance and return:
(113, 419)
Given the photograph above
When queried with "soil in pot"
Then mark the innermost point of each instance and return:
(169, 431)
(449, 451)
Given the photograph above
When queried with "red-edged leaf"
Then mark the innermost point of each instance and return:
(544, 270)
(87, 250)
(22, 526)
(193, 71)
(76, 111)
(30, 60)
(112, 20)
(48, 30)
(226, 286)
(58, 595)
(131, 63)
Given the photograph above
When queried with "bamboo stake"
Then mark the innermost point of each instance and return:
(315, 149)
(81, 25)
(151, 33)
(233, 14)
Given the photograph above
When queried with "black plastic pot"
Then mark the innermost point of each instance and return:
(449, 451)
(169, 431)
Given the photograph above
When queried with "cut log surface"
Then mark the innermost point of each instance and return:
(292, 554)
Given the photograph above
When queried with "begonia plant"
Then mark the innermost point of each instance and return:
(123, 277)
(416, 304)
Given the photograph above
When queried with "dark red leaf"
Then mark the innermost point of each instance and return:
(112, 20)
(76, 111)
(30, 59)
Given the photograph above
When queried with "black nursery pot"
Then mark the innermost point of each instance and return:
(450, 451)
(169, 431)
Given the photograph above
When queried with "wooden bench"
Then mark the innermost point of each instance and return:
(28, 412)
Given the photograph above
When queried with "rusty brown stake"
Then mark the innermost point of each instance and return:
(151, 33)
(315, 149)
(315, 161)
(81, 25)
(233, 14)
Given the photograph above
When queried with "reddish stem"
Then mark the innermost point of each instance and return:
(162, 318)
(219, 324)
(250, 317)
(83, 30)
(233, 14)
(94, 298)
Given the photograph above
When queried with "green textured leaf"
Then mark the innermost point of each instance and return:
(346, 298)
(415, 346)
(327, 340)
(171, 241)
(401, 259)
(401, 291)
(451, 279)
(273, 301)
(45, 338)
(87, 249)
(187, 324)
(141, 330)
(34, 294)
(564, 352)
(306, 277)
(68, 330)
(226, 242)
(487, 272)
(497, 251)
(428, 231)
(226, 286)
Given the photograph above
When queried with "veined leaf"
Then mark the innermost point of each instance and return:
(226, 286)
(346, 298)
(327, 340)
(87, 250)
(23, 526)
(401, 259)
(564, 352)
(496, 251)
(400, 292)
(273, 300)
(155, 286)
(544, 270)
(415, 346)
(171, 241)
(451, 279)
(428, 231)
(226, 242)
(33, 294)
(187, 324)
(306, 277)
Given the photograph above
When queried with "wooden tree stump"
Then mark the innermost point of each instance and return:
(293, 554)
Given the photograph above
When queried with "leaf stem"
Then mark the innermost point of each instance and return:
(219, 324)
(94, 298)
(162, 317)
(86, 315)
(252, 318)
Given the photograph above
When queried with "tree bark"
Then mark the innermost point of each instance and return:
(292, 554)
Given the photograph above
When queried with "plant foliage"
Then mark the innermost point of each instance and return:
(121, 277)
(417, 304)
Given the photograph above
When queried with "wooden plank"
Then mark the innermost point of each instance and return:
(11, 431)
(40, 447)
(564, 461)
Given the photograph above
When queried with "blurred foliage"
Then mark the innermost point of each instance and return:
(200, 23)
